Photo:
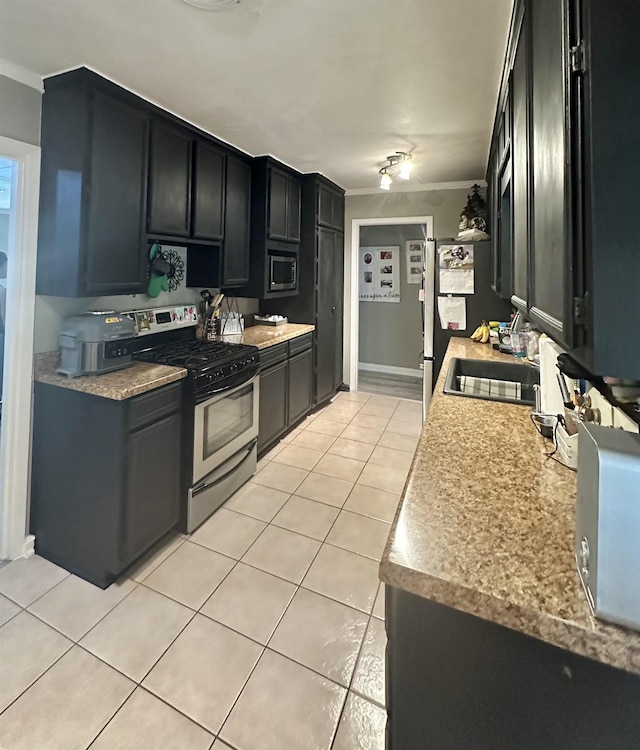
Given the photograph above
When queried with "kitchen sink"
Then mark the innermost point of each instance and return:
(511, 372)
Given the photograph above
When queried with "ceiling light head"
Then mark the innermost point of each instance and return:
(212, 4)
(405, 168)
(385, 180)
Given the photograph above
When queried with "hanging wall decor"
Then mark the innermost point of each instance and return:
(379, 274)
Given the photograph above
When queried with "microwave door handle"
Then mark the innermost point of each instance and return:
(206, 485)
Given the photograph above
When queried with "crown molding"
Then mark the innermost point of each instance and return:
(424, 187)
(20, 74)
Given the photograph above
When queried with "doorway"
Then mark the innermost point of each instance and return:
(19, 187)
(369, 342)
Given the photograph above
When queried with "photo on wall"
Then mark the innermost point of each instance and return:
(414, 258)
(379, 274)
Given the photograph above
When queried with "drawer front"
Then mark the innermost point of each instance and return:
(300, 344)
(273, 354)
(154, 405)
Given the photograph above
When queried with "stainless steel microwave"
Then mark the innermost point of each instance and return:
(283, 273)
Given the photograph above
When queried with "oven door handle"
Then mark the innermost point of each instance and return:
(227, 474)
(243, 379)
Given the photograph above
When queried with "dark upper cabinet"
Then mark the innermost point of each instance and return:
(330, 208)
(284, 206)
(169, 181)
(235, 259)
(500, 204)
(92, 192)
(520, 160)
(208, 192)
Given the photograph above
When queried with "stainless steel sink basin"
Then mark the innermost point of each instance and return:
(512, 372)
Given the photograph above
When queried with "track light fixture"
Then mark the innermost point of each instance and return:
(400, 159)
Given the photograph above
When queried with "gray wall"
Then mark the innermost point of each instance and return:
(391, 334)
(20, 109)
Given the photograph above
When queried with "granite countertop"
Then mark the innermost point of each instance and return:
(486, 525)
(265, 336)
(138, 378)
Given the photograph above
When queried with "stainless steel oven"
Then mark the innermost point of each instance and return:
(225, 436)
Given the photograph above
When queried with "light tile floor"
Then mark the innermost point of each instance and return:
(263, 630)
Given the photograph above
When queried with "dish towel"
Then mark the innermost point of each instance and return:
(490, 387)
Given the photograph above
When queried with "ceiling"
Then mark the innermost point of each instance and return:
(332, 86)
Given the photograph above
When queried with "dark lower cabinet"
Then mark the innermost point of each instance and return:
(106, 477)
(273, 404)
(455, 682)
(300, 392)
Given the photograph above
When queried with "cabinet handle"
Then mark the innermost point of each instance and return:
(333, 309)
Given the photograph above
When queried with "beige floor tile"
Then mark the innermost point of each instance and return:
(321, 634)
(250, 601)
(8, 609)
(150, 561)
(369, 501)
(363, 434)
(357, 396)
(271, 454)
(204, 671)
(280, 477)
(351, 449)
(257, 501)
(379, 606)
(369, 677)
(74, 606)
(315, 440)
(405, 428)
(335, 414)
(296, 455)
(340, 467)
(146, 722)
(28, 648)
(381, 400)
(362, 726)
(369, 421)
(282, 553)
(67, 707)
(261, 464)
(228, 532)
(290, 436)
(344, 576)
(346, 407)
(383, 477)
(375, 409)
(220, 745)
(408, 411)
(133, 636)
(390, 457)
(406, 443)
(306, 517)
(360, 534)
(284, 706)
(325, 489)
(325, 427)
(25, 580)
(190, 574)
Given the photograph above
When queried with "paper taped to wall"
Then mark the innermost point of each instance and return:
(453, 313)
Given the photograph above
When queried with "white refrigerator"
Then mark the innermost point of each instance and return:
(427, 297)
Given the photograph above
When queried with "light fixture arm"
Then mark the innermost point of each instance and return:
(398, 158)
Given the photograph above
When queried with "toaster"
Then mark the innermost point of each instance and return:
(607, 544)
(95, 342)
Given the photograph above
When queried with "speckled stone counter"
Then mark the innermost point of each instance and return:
(486, 525)
(138, 378)
(265, 336)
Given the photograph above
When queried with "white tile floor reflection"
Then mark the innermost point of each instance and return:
(263, 630)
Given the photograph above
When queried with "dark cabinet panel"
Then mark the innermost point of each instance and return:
(300, 385)
(520, 151)
(208, 192)
(235, 263)
(293, 210)
(550, 253)
(273, 404)
(170, 182)
(152, 501)
(277, 228)
(328, 314)
(330, 208)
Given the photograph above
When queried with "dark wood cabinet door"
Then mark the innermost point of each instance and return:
(170, 182)
(550, 259)
(152, 502)
(338, 249)
(521, 182)
(273, 404)
(235, 260)
(325, 206)
(328, 330)
(278, 186)
(293, 210)
(114, 255)
(300, 392)
(208, 193)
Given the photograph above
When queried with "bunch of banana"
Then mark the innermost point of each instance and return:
(481, 333)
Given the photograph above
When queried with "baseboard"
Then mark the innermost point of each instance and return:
(389, 369)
